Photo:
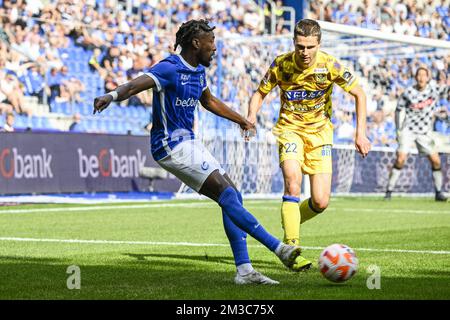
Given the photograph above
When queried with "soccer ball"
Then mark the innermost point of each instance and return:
(338, 263)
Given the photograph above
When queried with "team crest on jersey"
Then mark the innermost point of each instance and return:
(320, 77)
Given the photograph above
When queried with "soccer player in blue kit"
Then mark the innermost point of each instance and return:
(180, 83)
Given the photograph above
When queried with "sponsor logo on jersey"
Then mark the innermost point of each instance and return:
(347, 75)
(298, 95)
(185, 79)
(191, 102)
(326, 151)
(205, 165)
(302, 108)
(423, 104)
(321, 70)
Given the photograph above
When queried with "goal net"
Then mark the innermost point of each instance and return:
(384, 64)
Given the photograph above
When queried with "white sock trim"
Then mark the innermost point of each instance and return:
(395, 174)
(437, 179)
(244, 269)
(278, 249)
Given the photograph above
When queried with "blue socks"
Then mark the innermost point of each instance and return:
(243, 220)
(237, 238)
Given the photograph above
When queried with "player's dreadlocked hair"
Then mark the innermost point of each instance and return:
(308, 27)
(189, 30)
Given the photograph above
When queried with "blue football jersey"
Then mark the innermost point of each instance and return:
(179, 87)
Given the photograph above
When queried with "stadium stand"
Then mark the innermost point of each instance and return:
(57, 57)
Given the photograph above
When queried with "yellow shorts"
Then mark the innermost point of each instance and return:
(311, 150)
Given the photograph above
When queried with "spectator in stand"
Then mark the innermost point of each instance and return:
(54, 80)
(380, 131)
(94, 63)
(34, 83)
(77, 124)
(9, 123)
(129, 44)
(425, 18)
(110, 60)
(12, 89)
(73, 85)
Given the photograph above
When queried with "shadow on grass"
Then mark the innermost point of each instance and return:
(204, 258)
(164, 278)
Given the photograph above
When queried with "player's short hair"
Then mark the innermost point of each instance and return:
(189, 30)
(308, 28)
(422, 68)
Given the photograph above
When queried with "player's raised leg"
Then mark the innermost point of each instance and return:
(318, 164)
(395, 173)
(320, 196)
(437, 176)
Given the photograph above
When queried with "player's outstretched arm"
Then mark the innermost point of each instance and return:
(211, 103)
(123, 92)
(255, 105)
(362, 144)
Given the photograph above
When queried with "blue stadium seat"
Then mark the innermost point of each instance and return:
(46, 123)
(36, 122)
(21, 122)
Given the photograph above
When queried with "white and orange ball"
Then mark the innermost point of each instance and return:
(338, 263)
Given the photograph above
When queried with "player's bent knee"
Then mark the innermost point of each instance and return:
(320, 205)
(435, 163)
(399, 165)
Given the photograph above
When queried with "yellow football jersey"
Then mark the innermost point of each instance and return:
(306, 94)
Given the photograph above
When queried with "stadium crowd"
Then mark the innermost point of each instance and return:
(425, 18)
(66, 51)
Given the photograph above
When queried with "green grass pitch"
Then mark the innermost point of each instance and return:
(142, 258)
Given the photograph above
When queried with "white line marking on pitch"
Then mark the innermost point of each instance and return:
(198, 205)
(89, 208)
(191, 244)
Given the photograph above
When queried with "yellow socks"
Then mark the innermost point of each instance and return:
(306, 210)
(290, 219)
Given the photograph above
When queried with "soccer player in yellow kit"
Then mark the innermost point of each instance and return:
(304, 130)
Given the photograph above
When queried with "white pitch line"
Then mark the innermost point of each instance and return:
(202, 205)
(89, 208)
(193, 244)
(388, 210)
